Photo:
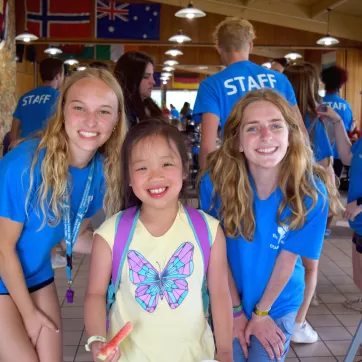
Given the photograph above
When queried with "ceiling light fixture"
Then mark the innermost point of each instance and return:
(293, 56)
(71, 61)
(168, 69)
(26, 37)
(174, 52)
(190, 12)
(179, 37)
(327, 40)
(165, 74)
(79, 69)
(171, 62)
(53, 50)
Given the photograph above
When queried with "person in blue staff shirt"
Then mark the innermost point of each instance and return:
(272, 201)
(333, 78)
(351, 155)
(50, 187)
(174, 112)
(37, 106)
(218, 93)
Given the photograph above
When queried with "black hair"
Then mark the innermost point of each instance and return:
(49, 68)
(334, 77)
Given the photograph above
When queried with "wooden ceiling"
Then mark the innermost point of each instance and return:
(281, 26)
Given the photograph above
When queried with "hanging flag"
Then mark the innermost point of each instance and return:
(186, 80)
(109, 52)
(76, 51)
(3, 23)
(59, 18)
(119, 20)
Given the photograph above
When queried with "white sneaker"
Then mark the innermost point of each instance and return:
(304, 333)
(59, 261)
(355, 304)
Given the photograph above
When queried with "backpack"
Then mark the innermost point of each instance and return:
(125, 227)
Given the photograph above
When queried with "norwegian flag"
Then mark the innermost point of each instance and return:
(59, 18)
(3, 22)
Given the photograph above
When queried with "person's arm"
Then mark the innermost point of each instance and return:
(209, 126)
(240, 322)
(15, 130)
(84, 241)
(95, 300)
(220, 299)
(282, 271)
(10, 268)
(11, 273)
(342, 140)
(264, 327)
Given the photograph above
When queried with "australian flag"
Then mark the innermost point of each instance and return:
(119, 20)
(59, 18)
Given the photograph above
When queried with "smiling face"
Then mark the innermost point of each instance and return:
(156, 172)
(147, 82)
(263, 136)
(90, 114)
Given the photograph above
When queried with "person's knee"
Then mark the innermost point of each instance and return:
(238, 354)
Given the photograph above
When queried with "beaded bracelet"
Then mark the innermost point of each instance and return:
(94, 339)
(238, 314)
(238, 311)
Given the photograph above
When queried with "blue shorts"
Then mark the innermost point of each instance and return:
(257, 353)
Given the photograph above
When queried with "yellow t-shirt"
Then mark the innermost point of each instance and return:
(161, 333)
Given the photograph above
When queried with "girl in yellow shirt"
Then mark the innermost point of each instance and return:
(162, 274)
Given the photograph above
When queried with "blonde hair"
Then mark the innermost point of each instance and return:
(229, 173)
(234, 34)
(54, 142)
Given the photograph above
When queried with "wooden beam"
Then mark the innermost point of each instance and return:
(246, 2)
(323, 6)
(156, 44)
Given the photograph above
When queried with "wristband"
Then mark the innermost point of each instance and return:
(237, 309)
(260, 312)
(94, 339)
(238, 314)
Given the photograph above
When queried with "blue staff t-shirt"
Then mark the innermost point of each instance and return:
(355, 183)
(252, 262)
(34, 246)
(344, 110)
(218, 93)
(319, 139)
(175, 113)
(35, 108)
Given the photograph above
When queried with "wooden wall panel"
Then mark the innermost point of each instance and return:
(351, 60)
(354, 84)
(24, 78)
(341, 57)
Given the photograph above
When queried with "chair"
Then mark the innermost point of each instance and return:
(356, 341)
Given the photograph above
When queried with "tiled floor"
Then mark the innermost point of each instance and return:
(334, 323)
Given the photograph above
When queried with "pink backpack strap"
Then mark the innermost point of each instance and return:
(202, 233)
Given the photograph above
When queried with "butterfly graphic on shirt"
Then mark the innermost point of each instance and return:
(153, 285)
